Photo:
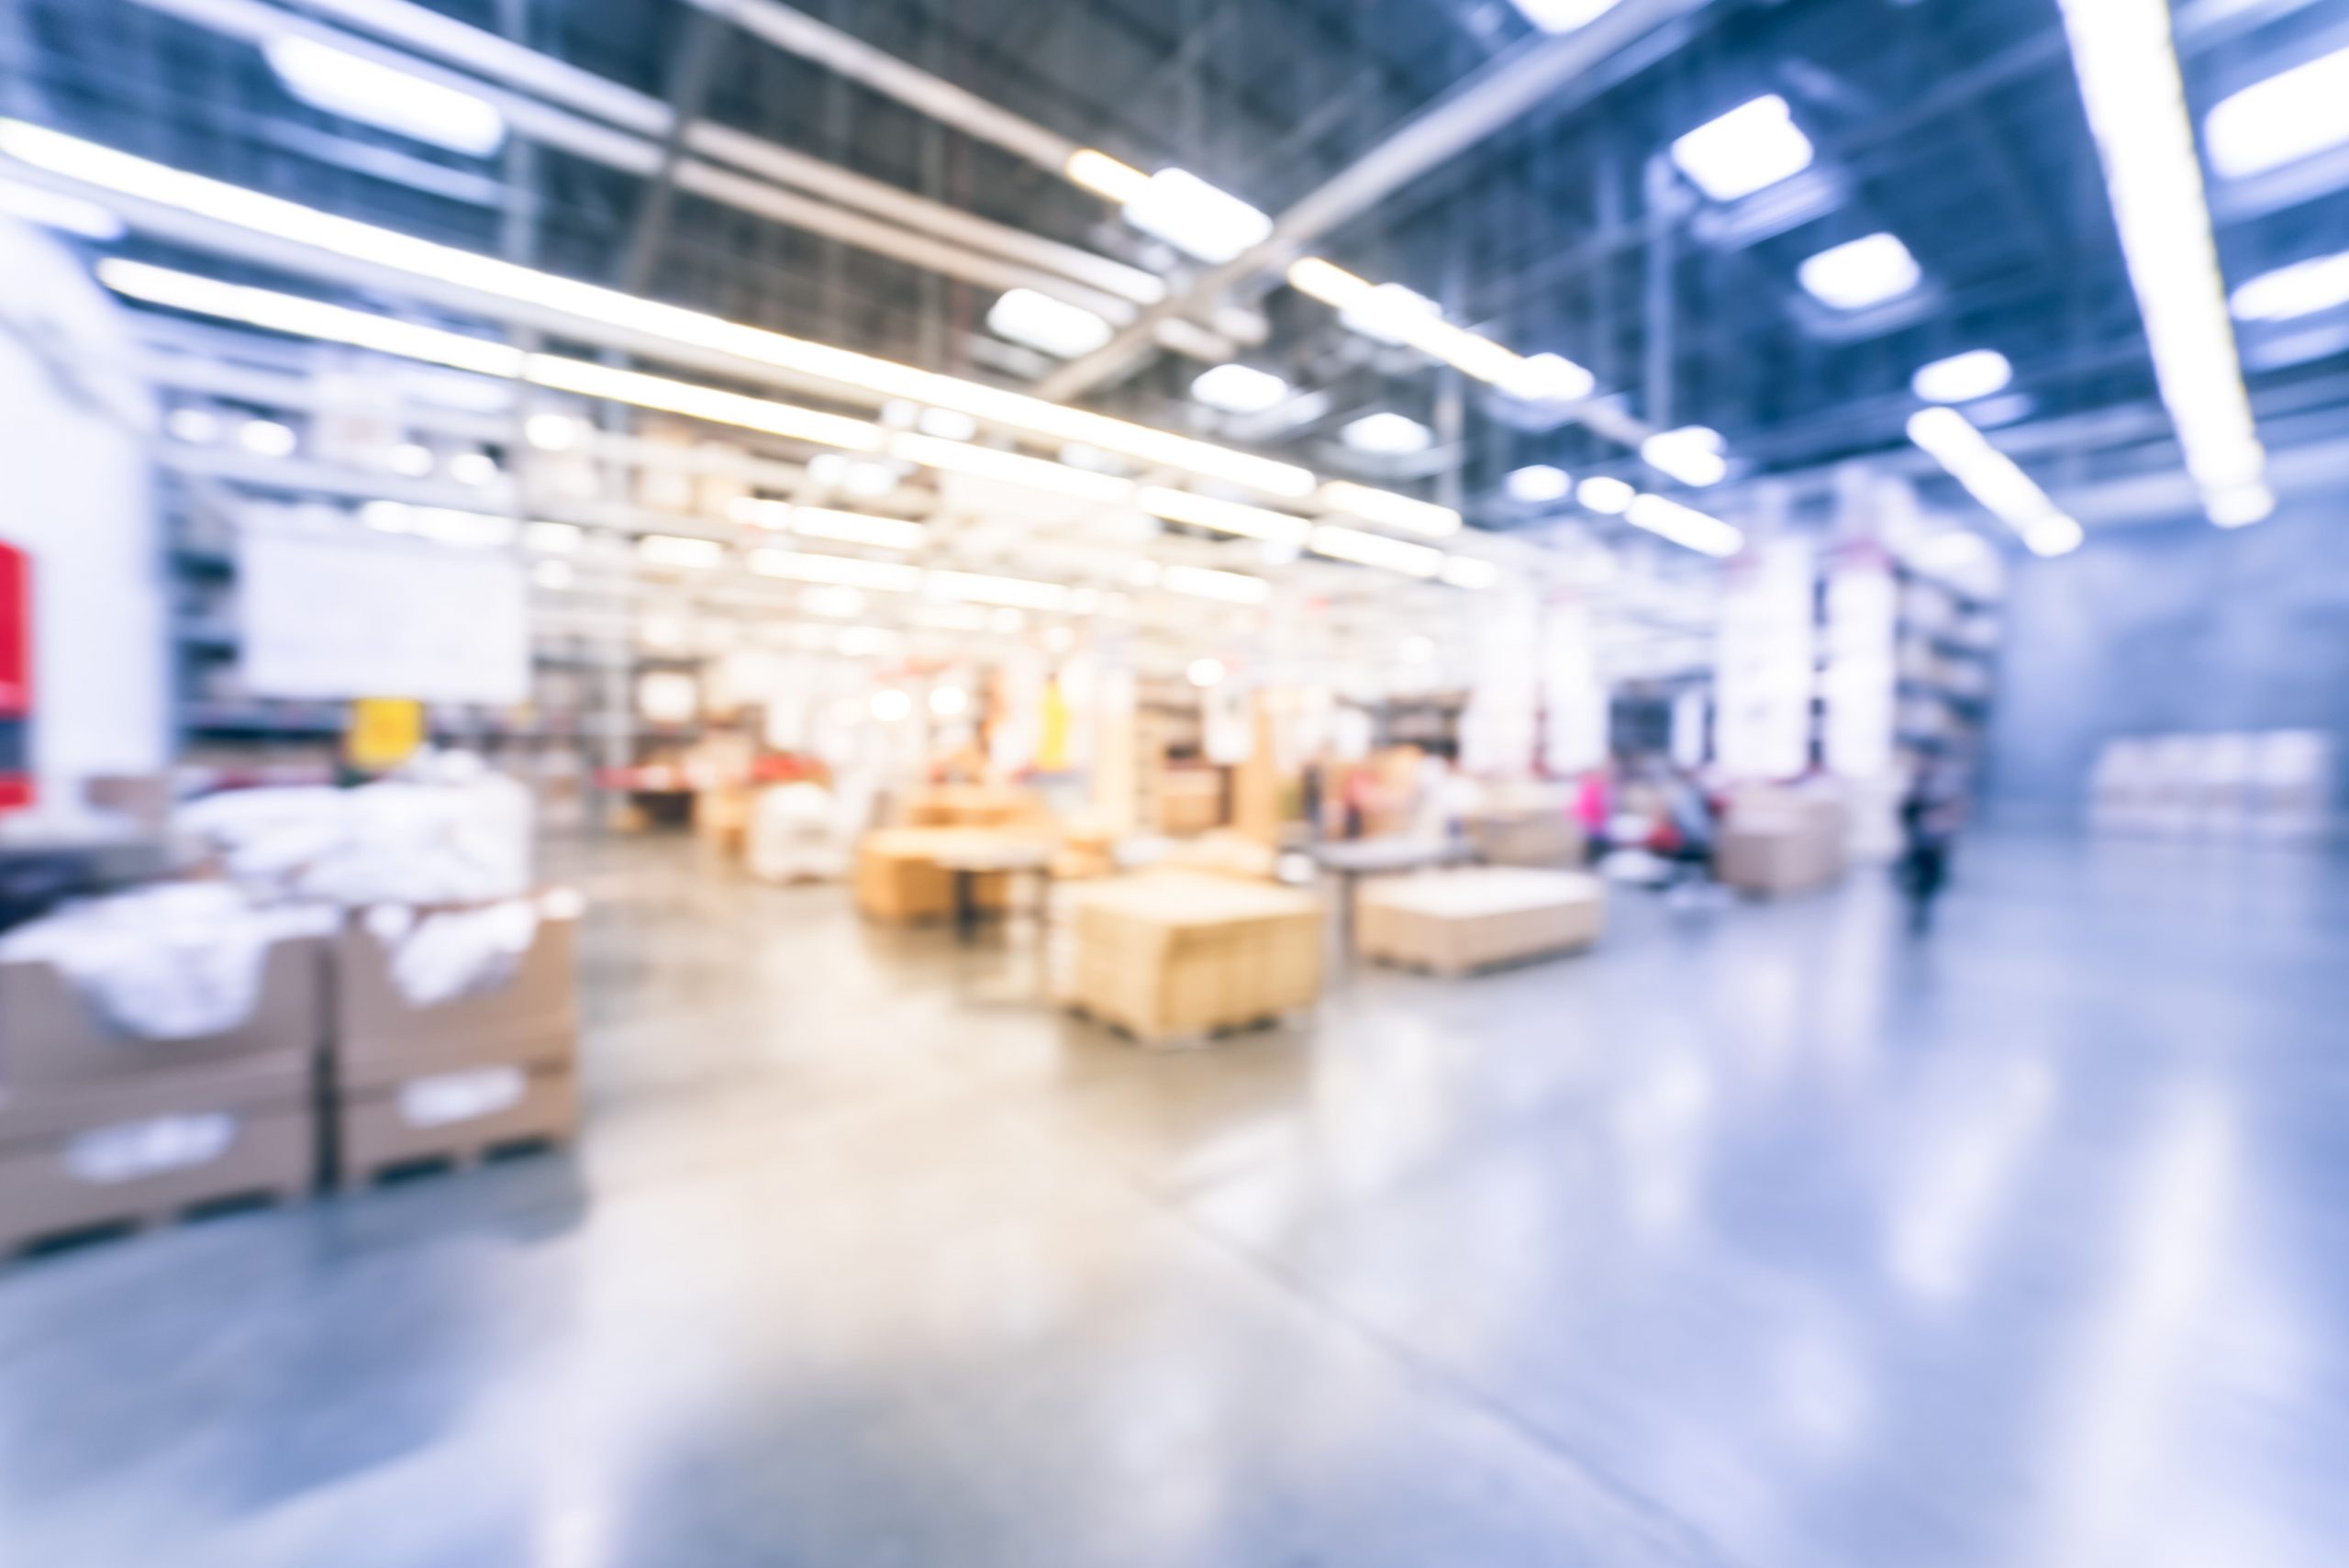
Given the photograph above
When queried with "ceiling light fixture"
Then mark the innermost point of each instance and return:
(1239, 389)
(599, 309)
(2282, 119)
(1865, 271)
(1537, 484)
(1550, 378)
(2127, 64)
(2302, 288)
(882, 576)
(1223, 517)
(1564, 16)
(1105, 176)
(1377, 549)
(1205, 672)
(681, 553)
(1607, 495)
(854, 528)
(979, 588)
(1692, 454)
(357, 88)
(1387, 434)
(1685, 526)
(1962, 378)
(1206, 583)
(1991, 477)
(1389, 510)
(1196, 218)
(1753, 147)
(1012, 468)
(1051, 325)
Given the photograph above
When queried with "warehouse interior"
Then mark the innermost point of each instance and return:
(1237, 781)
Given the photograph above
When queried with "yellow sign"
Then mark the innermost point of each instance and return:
(384, 733)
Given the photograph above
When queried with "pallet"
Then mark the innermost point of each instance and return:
(140, 1221)
(1191, 1039)
(1498, 966)
(467, 1156)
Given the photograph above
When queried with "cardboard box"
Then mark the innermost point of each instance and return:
(1170, 955)
(51, 1038)
(144, 1148)
(454, 1112)
(1221, 853)
(1456, 921)
(1782, 841)
(1190, 800)
(1532, 838)
(898, 877)
(532, 1018)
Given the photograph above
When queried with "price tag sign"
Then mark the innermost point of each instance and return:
(383, 732)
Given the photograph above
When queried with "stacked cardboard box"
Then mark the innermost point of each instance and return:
(1539, 836)
(898, 877)
(1456, 921)
(100, 1128)
(1173, 955)
(456, 1079)
(1781, 841)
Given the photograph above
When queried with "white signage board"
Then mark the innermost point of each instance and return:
(338, 614)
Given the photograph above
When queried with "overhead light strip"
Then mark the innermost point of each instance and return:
(1991, 477)
(2126, 60)
(593, 305)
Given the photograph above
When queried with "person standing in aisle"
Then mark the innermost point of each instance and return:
(1931, 813)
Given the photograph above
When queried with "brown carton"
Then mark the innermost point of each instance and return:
(533, 1017)
(49, 1037)
(1456, 921)
(1170, 955)
(458, 1113)
(145, 1148)
(898, 877)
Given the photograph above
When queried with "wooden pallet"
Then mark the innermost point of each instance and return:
(1191, 1039)
(141, 1220)
(458, 1157)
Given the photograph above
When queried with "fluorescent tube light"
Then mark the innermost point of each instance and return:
(2302, 289)
(679, 551)
(1389, 313)
(1195, 217)
(1387, 435)
(1388, 509)
(1564, 16)
(1992, 478)
(594, 307)
(340, 83)
(1206, 583)
(1105, 176)
(1052, 326)
(1685, 526)
(1239, 389)
(1223, 517)
(854, 528)
(2127, 64)
(2282, 119)
(1539, 483)
(68, 215)
(1012, 468)
(1691, 454)
(554, 432)
(1865, 271)
(1377, 549)
(979, 588)
(1610, 496)
(1751, 147)
(267, 438)
(1549, 378)
(1962, 378)
(1328, 282)
(883, 576)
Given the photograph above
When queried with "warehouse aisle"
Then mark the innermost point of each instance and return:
(1759, 1237)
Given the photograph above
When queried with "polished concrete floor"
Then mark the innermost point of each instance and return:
(1761, 1237)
